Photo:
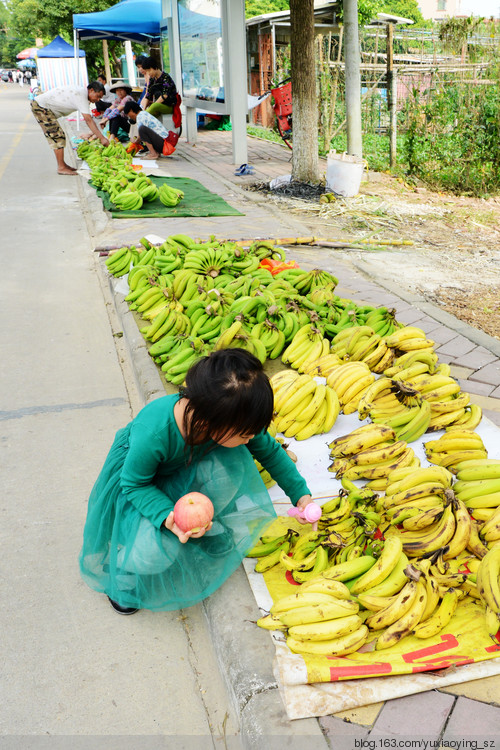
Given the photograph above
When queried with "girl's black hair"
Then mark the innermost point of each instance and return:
(228, 394)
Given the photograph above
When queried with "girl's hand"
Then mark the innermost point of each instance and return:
(183, 536)
(301, 504)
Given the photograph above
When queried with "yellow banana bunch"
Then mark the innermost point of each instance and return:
(318, 622)
(303, 407)
(361, 439)
(407, 339)
(469, 420)
(422, 360)
(453, 447)
(405, 624)
(375, 462)
(306, 347)
(350, 381)
(488, 584)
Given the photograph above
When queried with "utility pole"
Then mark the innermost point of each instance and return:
(392, 93)
(352, 78)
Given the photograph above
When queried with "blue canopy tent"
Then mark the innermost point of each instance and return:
(58, 65)
(130, 20)
(58, 48)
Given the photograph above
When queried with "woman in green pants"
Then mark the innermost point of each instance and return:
(161, 94)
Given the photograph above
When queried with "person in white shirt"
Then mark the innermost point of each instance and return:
(47, 108)
(151, 131)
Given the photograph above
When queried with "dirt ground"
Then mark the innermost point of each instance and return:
(452, 258)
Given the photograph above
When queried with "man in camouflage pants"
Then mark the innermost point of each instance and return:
(47, 108)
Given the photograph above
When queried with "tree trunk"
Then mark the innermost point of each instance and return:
(305, 113)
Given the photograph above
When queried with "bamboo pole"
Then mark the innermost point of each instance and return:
(105, 54)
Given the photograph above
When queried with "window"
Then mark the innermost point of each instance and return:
(200, 31)
(441, 4)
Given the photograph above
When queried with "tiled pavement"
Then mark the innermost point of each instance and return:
(464, 712)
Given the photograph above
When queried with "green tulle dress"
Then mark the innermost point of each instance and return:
(129, 555)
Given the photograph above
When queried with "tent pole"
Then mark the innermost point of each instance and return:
(132, 80)
(77, 63)
(105, 54)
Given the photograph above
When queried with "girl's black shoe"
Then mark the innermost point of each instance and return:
(122, 610)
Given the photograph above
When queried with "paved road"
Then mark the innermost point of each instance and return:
(70, 665)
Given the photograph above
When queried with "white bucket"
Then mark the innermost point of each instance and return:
(343, 174)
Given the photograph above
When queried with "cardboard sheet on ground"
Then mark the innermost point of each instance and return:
(318, 686)
(197, 201)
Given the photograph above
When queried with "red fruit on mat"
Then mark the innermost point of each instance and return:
(193, 512)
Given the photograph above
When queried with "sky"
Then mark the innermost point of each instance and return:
(485, 8)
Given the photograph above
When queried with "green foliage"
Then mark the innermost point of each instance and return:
(27, 19)
(452, 139)
(260, 7)
(367, 9)
(405, 9)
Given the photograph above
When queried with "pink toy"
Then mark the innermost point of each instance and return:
(311, 513)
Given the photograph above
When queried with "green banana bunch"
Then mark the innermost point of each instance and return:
(169, 196)
(128, 200)
(118, 263)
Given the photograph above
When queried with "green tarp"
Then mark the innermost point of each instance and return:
(197, 201)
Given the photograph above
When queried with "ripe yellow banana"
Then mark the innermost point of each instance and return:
(384, 566)
(346, 644)
(325, 631)
(306, 615)
(398, 607)
(441, 617)
(405, 624)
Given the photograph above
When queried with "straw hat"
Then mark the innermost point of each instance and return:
(121, 85)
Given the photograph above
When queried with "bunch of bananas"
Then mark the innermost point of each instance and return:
(176, 366)
(349, 381)
(415, 498)
(307, 346)
(488, 585)
(393, 403)
(451, 527)
(306, 281)
(144, 185)
(118, 262)
(443, 393)
(169, 196)
(368, 453)
(382, 320)
(453, 447)
(478, 486)
(413, 363)
(362, 344)
(407, 339)
(128, 200)
(302, 406)
(469, 420)
(324, 622)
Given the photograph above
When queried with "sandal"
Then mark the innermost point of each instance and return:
(150, 157)
(244, 169)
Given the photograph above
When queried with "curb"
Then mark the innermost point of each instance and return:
(244, 652)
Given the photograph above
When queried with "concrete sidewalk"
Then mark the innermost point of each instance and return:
(245, 653)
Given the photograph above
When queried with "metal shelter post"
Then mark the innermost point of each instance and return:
(235, 75)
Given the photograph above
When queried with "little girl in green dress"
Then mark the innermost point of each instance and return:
(203, 439)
